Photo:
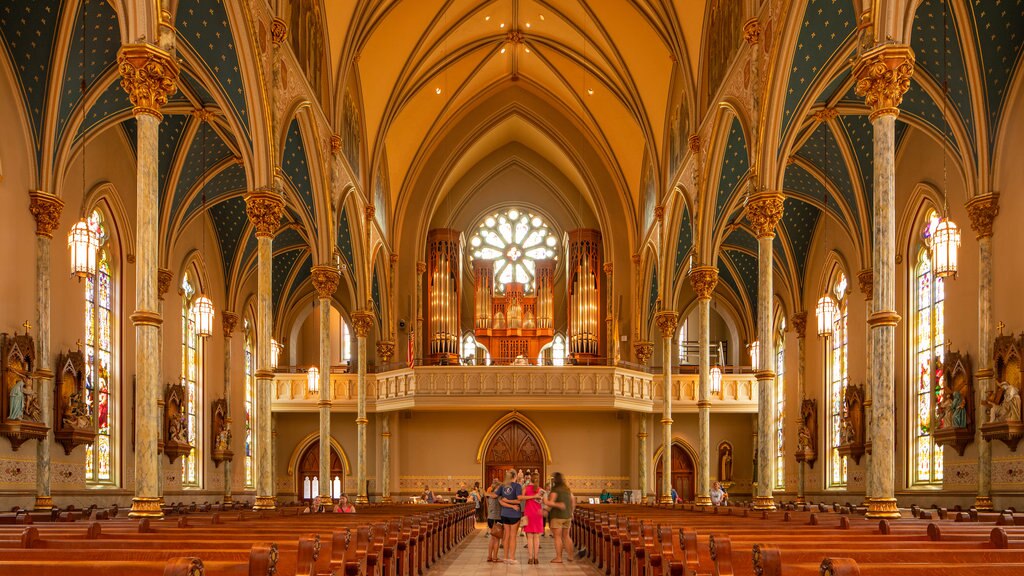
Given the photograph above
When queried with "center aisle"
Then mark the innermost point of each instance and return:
(470, 558)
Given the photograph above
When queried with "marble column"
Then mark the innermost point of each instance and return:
(704, 279)
(799, 322)
(421, 268)
(164, 279)
(385, 455)
(230, 322)
(883, 76)
(149, 75)
(982, 211)
(642, 464)
(666, 321)
(865, 279)
(764, 210)
(264, 208)
(362, 322)
(46, 209)
(609, 314)
(325, 281)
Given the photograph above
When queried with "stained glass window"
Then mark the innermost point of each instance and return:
(249, 399)
(346, 342)
(99, 326)
(191, 370)
(514, 240)
(780, 411)
(929, 339)
(838, 379)
(684, 351)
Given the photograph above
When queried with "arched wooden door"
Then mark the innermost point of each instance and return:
(514, 447)
(684, 474)
(308, 474)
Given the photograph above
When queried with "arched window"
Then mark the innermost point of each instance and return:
(838, 379)
(249, 399)
(192, 379)
(100, 324)
(474, 353)
(928, 349)
(514, 240)
(553, 353)
(346, 342)
(685, 347)
(780, 407)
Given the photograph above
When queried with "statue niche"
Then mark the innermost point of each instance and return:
(954, 413)
(725, 464)
(72, 423)
(852, 423)
(807, 435)
(1002, 402)
(20, 416)
(221, 433)
(175, 423)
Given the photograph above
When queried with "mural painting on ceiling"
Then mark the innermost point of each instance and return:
(352, 135)
(678, 128)
(647, 186)
(306, 24)
(723, 39)
(380, 201)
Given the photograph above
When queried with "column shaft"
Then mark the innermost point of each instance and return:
(983, 501)
(666, 421)
(264, 374)
(801, 386)
(704, 403)
(642, 464)
(385, 450)
(44, 376)
(765, 378)
(361, 496)
(325, 397)
(227, 406)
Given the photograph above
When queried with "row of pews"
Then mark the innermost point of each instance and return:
(688, 540)
(379, 540)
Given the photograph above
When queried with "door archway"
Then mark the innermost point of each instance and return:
(683, 470)
(307, 473)
(513, 446)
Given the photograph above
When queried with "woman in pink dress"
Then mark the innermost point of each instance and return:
(534, 521)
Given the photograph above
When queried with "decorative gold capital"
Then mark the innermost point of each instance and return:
(666, 321)
(608, 268)
(752, 31)
(866, 282)
(325, 280)
(800, 324)
(764, 212)
(884, 318)
(362, 322)
(146, 318)
(163, 282)
(883, 77)
(335, 144)
(230, 321)
(659, 212)
(704, 279)
(385, 349)
(149, 75)
(264, 209)
(693, 142)
(421, 267)
(278, 31)
(982, 210)
(46, 209)
(824, 115)
(643, 350)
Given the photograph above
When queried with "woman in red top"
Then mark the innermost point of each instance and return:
(534, 522)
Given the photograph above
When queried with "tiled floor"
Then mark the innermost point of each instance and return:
(470, 558)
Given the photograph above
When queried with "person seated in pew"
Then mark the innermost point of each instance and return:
(606, 496)
(428, 496)
(675, 497)
(344, 506)
(719, 497)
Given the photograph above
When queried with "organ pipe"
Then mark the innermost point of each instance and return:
(584, 285)
(445, 271)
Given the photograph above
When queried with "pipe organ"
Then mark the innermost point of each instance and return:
(584, 284)
(514, 324)
(444, 248)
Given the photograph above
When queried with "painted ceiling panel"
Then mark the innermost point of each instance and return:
(227, 181)
(652, 297)
(296, 166)
(97, 22)
(284, 262)
(821, 146)
(917, 103)
(345, 237)
(203, 25)
(171, 130)
(746, 270)
(999, 27)
(250, 248)
(288, 239)
(114, 100)
(29, 29)
(685, 241)
(188, 82)
(801, 181)
(861, 139)
(230, 221)
(201, 157)
(826, 26)
(834, 86)
(725, 276)
(375, 294)
(302, 276)
(742, 238)
(936, 43)
(734, 167)
(799, 219)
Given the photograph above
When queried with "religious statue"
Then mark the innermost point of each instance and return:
(807, 432)
(945, 410)
(851, 432)
(1004, 403)
(17, 403)
(959, 410)
(725, 462)
(20, 414)
(31, 411)
(178, 429)
(223, 439)
(76, 412)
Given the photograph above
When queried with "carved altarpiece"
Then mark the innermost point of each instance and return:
(221, 449)
(73, 424)
(954, 403)
(807, 437)
(20, 416)
(175, 424)
(1003, 403)
(852, 423)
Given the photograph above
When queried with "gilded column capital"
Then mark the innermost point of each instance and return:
(883, 77)
(230, 322)
(866, 282)
(752, 31)
(278, 31)
(149, 75)
(608, 268)
(982, 210)
(799, 321)
(46, 209)
(362, 322)
(666, 321)
(704, 279)
(693, 143)
(163, 282)
(764, 212)
(264, 209)
(642, 351)
(335, 144)
(824, 115)
(325, 280)
(385, 349)
(421, 267)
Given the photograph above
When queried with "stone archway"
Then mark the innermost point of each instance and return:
(683, 470)
(307, 473)
(513, 446)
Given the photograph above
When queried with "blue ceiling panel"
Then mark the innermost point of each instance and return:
(375, 294)
(296, 166)
(345, 237)
(284, 262)
(860, 136)
(113, 101)
(799, 220)
(230, 220)
(725, 277)
(171, 130)
(937, 47)
(734, 167)
(999, 30)
(302, 276)
(685, 242)
(746, 270)
(742, 238)
(821, 146)
(228, 181)
(89, 60)
(652, 297)
(205, 151)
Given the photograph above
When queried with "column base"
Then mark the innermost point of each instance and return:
(362, 499)
(228, 499)
(983, 504)
(703, 501)
(265, 503)
(665, 499)
(764, 503)
(161, 500)
(146, 507)
(44, 503)
(883, 508)
(386, 499)
(800, 500)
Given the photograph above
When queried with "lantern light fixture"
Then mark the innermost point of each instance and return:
(755, 353)
(826, 312)
(313, 380)
(83, 245)
(716, 380)
(203, 312)
(275, 353)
